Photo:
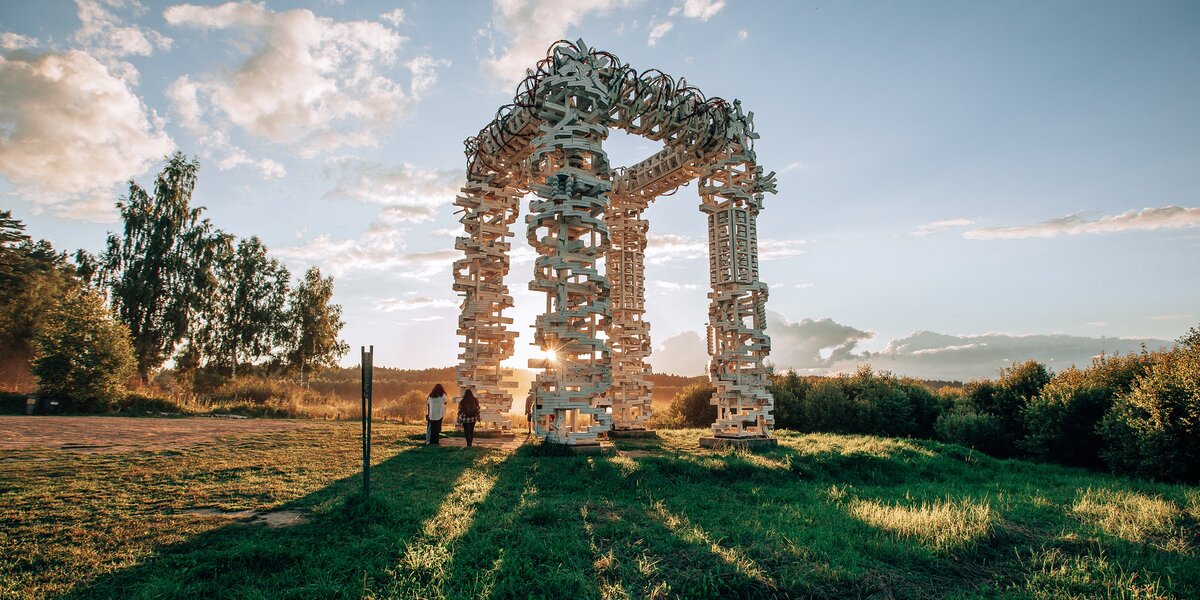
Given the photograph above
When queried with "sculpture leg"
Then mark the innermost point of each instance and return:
(566, 227)
(490, 208)
(737, 343)
(629, 332)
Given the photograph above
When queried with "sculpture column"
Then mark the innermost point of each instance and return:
(629, 332)
(490, 207)
(731, 195)
(566, 227)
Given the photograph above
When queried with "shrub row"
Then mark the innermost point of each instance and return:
(1137, 414)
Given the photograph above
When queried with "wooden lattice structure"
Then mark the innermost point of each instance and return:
(550, 142)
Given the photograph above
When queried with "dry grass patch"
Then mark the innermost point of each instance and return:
(940, 525)
(1134, 517)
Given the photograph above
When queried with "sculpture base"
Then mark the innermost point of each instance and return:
(632, 433)
(747, 443)
(591, 449)
(495, 433)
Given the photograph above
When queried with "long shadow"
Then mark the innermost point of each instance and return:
(345, 546)
(562, 526)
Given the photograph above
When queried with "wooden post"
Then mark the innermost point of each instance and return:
(368, 358)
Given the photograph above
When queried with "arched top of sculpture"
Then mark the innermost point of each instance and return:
(650, 103)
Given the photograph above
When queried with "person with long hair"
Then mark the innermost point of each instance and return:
(433, 418)
(468, 415)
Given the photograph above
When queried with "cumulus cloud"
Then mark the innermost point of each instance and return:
(413, 301)
(963, 357)
(1147, 219)
(531, 26)
(16, 41)
(411, 193)
(380, 248)
(307, 82)
(684, 354)
(743, 34)
(657, 31)
(941, 226)
(811, 344)
(697, 9)
(824, 346)
(108, 38)
(395, 17)
(70, 129)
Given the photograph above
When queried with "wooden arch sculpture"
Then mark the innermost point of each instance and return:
(550, 141)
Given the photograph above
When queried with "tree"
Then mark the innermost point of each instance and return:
(158, 273)
(1152, 430)
(33, 276)
(314, 323)
(248, 320)
(81, 354)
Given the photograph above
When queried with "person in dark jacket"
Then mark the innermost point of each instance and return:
(468, 415)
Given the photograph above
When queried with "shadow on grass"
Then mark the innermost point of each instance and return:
(346, 545)
(585, 527)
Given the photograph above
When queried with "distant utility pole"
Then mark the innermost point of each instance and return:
(368, 358)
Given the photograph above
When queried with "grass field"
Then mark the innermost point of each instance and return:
(822, 515)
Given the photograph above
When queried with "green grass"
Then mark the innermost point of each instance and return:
(822, 515)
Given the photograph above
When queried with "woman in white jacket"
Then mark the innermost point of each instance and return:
(433, 418)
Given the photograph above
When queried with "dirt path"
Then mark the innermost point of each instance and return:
(123, 434)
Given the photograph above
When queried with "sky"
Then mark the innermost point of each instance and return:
(962, 185)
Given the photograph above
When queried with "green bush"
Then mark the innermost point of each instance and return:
(966, 427)
(1154, 429)
(81, 355)
(1061, 424)
(691, 407)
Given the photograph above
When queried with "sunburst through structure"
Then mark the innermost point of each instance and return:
(549, 141)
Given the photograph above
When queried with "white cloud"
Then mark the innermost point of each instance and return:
(380, 248)
(16, 41)
(962, 357)
(1174, 317)
(684, 354)
(395, 17)
(824, 346)
(668, 247)
(69, 128)
(743, 34)
(532, 25)
(697, 9)
(414, 301)
(811, 344)
(773, 249)
(108, 38)
(796, 166)
(671, 286)
(309, 83)
(1147, 219)
(941, 226)
(411, 193)
(657, 31)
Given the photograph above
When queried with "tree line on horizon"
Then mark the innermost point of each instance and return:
(169, 286)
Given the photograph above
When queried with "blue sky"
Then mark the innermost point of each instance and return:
(960, 184)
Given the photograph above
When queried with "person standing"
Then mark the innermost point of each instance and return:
(529, 412)
(468, 415)
(433, 418)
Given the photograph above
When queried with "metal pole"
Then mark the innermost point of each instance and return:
(367, 376)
